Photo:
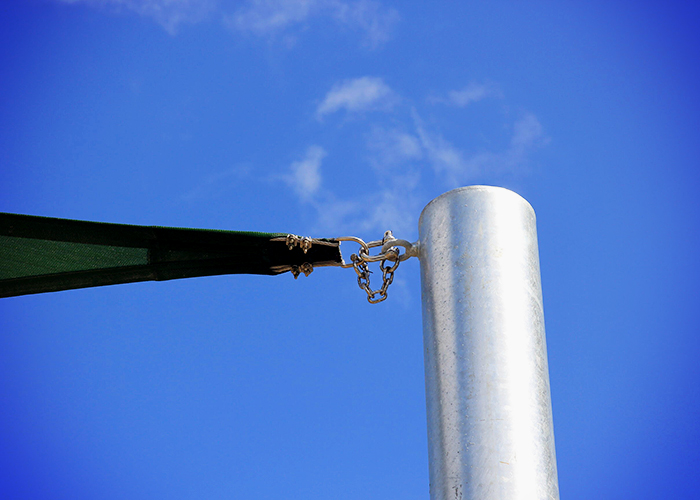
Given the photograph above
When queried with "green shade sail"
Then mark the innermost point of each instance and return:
(43, 254)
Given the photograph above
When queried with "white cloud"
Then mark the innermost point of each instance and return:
(269, 18)
(333, 214)
(410, 158)
(446, 160)
(527, 132)
(368, 16)
(170, 14)
(394, 207)
(473, 92)
(265, 18)
(305, 176)
(457, 168)
(392, 148)
(371, 213)
(360, 94)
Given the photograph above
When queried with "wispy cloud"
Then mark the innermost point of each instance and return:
(456, 167)
(367, 16)
(471, 93)
(170, 14)
(390, 148)
(405, 154)
(445, 159)
(263, 18)
(218, 183)
(305, 174)
(393, 207)
(374, 211)
(268, 17)
(359, 94)
(527, 133)
(271, 18)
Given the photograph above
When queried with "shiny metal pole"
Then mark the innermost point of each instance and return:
(490, 428)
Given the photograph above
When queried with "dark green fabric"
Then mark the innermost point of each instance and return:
(42, 254)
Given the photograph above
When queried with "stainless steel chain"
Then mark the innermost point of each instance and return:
(389, 253)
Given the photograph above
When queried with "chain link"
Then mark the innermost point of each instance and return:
(389, 253)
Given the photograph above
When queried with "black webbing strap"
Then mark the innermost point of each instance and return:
(42, 254)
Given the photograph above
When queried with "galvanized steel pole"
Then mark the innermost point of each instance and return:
(490, 428)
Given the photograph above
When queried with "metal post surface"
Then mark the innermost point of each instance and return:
(490, 430)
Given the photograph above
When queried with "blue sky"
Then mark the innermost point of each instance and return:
(331, 118)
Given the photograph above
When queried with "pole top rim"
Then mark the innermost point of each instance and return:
(492, 190)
